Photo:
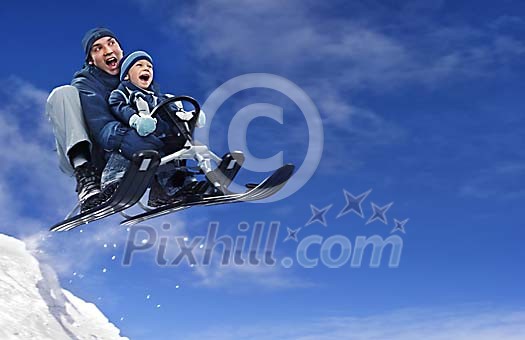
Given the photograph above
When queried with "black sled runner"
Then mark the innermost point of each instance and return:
(258, 192)
(133, 185)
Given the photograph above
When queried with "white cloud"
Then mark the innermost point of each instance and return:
(370, 48)
(29, 176)
(296, 40)
(214, 275)
(328, 59)
(496, 182)
(456, 323)
(237, 278)
(33, 191)
(507, 21)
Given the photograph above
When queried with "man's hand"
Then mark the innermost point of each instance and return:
(143, 125)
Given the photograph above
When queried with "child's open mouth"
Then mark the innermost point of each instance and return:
(144, 77)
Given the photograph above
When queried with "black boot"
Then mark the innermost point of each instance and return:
(88, 186)
(157, 196)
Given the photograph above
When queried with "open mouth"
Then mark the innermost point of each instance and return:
(111, 62)
(144, 77)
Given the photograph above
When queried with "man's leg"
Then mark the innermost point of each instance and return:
(73, 144)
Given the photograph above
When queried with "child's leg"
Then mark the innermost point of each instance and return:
(114, 171)
(168, 182)
(132, 143)
(170, 178)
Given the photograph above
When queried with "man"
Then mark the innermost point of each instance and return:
(95, 82)
(71, 108)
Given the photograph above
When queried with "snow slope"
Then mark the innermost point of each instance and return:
(34, 306)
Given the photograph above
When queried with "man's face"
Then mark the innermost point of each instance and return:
(141, 74)
(106, 54)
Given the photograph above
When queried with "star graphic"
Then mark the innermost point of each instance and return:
(292, 234)
(353, 203)
(318, 215)
(379, 213)
(400, 226)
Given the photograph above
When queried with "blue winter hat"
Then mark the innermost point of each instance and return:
(131, 60)
(93, 35)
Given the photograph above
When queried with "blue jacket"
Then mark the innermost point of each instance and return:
(106, 131)
(119, 100)
(95, 86)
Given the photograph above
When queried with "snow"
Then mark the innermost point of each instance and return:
(34, 306)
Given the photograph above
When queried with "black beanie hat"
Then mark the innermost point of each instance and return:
(93, 35)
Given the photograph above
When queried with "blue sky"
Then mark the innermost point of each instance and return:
(420, 102)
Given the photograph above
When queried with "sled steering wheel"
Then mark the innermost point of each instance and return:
(183, 120)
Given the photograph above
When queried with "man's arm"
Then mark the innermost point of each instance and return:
(105, 129)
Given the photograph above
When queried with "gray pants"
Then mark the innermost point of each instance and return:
(65, 113)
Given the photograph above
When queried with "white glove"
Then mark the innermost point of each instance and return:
(201, 121)
(143, 124)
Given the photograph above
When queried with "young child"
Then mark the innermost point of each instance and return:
(131, 103)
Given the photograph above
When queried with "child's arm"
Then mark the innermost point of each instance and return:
(124, 111)
(120, 107)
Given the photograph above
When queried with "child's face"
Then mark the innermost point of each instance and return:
(141, 74)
